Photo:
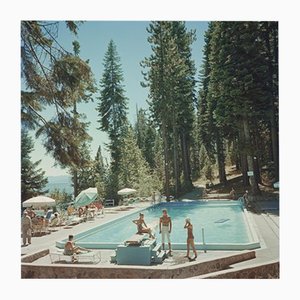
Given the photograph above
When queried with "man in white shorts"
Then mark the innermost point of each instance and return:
(165, 228)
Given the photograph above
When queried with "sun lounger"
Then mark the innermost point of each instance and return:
(74, 220)
(58, 255)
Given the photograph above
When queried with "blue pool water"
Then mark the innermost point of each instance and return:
(223, 223)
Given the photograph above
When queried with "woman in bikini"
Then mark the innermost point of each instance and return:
(190, 239)
(140, 229)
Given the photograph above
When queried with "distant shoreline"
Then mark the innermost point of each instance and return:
(62, 183)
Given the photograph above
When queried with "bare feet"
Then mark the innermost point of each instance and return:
(192, 259)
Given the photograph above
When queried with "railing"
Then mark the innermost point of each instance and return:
(203, 240)
(109, 202)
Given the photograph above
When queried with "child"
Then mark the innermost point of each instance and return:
(190, 239)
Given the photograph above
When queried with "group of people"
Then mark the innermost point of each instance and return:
(42, 218)
(88, 210)
(32, 220)
(165, 228)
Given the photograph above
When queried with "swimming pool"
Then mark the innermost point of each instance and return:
(225, 224)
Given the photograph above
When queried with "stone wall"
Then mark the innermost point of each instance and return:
(29, 270)
(265, 271)
(32, 257)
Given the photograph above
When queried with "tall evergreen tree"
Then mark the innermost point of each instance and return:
(145, 135)
(170, 78)
(85, 162)
(239, 89)
(99, 173)
(33, 180)
(186, 97)
(134, 170)
(83, 176)
(112, 107)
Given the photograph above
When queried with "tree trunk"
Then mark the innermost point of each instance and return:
(273, 60)
(275, 144)
(166, 156)
(243, 156)
(257, 154)
(176, 161)
(253, 182)
(186, 162)
(75, 182)
(221, 159)
(237, 156)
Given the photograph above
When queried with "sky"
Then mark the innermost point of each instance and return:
(130, 38)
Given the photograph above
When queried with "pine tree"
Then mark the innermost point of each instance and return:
(56, 78)
(239, 90)
(186, 97)
(145, 135)
(83, 176)
(99, 173)
(33, 180)
(112, 107)
(170, 79)
(134, 170)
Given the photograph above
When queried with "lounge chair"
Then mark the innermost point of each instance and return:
(58, 256)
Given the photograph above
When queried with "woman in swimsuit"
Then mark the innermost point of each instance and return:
(190, 239)
(140, 229)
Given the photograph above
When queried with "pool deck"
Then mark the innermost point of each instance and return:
(265, 219)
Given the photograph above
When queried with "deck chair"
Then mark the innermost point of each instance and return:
(58, 256)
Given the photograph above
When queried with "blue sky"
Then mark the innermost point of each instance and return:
(130, 38)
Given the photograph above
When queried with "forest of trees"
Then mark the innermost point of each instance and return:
(196, 124)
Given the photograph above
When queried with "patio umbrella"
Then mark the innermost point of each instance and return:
(86, 197)
(126, 191)
(276, 185)
(39, 201)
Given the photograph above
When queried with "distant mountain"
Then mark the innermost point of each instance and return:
(62, 183)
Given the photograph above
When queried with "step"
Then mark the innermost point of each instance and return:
(157, 248)
(158, 258)
(150, 242)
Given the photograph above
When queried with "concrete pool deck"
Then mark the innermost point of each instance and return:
(265, 220)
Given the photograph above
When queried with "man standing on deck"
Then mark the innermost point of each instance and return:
(165, 228)
(26, 225)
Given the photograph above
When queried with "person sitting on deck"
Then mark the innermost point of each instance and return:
(55, 221)
(71, 249)
(232, 194)
(80, 212)
(139, 223)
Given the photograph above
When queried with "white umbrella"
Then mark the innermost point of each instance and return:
(39, 201)
(86, 197)
(276, 185)
(126, 191)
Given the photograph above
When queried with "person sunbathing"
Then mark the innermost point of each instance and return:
(140, 229)
(71, 249)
